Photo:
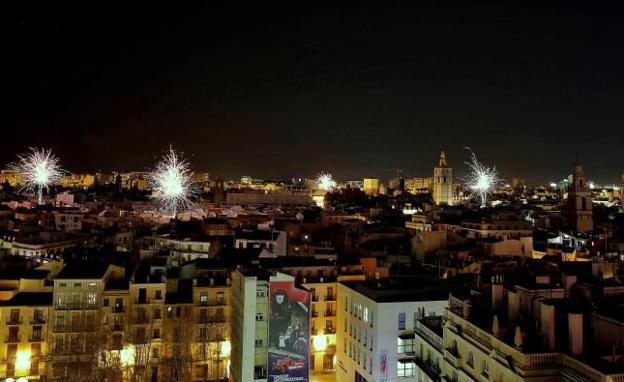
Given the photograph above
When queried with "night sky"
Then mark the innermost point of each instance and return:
(286, 89)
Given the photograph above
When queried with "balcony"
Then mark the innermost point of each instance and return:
(215, 319)
(451, 356)
(36, 338)
(429, 335)
(330, 313)
(118, 309)
(330, 297)
(314, 314)
(330, 330)
(12, 338)
(76, 328)
(142, 301)
(140, 320)
(75, 306)
(314, 298)
(210, 338)
(37, 321)
(14, 321)
(432, 370)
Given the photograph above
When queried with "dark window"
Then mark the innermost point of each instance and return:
(401, 321)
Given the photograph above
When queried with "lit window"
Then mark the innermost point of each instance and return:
(405, 369)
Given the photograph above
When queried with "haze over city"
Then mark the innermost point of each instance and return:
(352, 88)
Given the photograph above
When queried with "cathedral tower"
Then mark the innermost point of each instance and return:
(443, 182)
(580, 202)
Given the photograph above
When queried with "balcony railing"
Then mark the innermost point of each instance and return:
(14, 321)
(12, 339)
(210, 338)
(314, 314)
(37, 321)
(118, 309)
(36, 338)
(330, 330)
(75, 306)
(330, 313)
(330, 297)
(428, 335)
(75, 328)
(216, 319)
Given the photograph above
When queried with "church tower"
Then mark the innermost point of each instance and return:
(580, 202)
(443, 182)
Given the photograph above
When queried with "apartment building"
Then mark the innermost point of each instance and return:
(23, 334)
(75, 319)
(375, 321)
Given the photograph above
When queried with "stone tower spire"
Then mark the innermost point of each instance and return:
(580, 201)
(443, 182)
(443, 159)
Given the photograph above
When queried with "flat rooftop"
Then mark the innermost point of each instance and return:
(402, 290)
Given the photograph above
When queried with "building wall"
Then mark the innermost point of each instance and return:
(23, 338)
(368, 332)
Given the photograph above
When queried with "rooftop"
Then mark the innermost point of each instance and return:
(29, 299)
(403, 290)
(83, 270)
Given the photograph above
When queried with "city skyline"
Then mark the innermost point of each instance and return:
(281, 90)
(385, 174)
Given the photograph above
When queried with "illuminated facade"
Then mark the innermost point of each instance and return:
(443, 182)
(375, 323)
(23, 332)
(75, 334)
(580, 202)
(323, 325)
(371, 186)
(250, 312)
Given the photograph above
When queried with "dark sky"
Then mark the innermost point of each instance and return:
(292, 88)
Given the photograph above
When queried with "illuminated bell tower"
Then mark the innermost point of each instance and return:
(580, 201)
(443, 182)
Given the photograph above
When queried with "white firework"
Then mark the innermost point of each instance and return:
(171, 184)
(481, 180)
(40, 169)
(325, 182)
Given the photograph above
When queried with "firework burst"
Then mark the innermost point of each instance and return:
(325, 182)
(172, 187)
(481, 179)
(39, 168)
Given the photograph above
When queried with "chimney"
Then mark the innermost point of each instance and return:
(495, 326)
(548, 325)
(466, 309)
(575, 333)
(568, 281)
(513, 305)
(498, 292)
(518, 338)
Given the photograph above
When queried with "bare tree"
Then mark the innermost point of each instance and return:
(211, 331)
(177, 338)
